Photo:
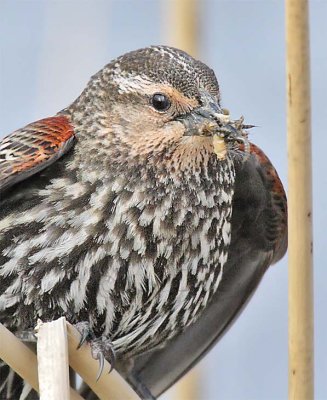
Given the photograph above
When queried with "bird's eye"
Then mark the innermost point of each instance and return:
(160, 102)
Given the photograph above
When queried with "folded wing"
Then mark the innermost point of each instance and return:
(32, 148)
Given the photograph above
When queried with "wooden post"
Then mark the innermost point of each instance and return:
(188, 388)
(22, 359)
(19, 357)
(52, 356)
(182, 24)
(182, 31)
(301, 385)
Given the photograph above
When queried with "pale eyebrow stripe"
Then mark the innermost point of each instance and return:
(143, 85)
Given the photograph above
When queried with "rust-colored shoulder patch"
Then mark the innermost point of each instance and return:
(278, 199)
(32, 148)
(272, 175)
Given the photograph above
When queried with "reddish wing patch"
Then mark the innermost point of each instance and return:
(269, 169)
(32, 148)
(263, 160)
(278, 199)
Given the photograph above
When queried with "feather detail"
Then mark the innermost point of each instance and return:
(32, 148)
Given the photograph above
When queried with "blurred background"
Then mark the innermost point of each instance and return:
(48, 51)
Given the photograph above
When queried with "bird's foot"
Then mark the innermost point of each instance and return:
(101, 347)
(27, 336)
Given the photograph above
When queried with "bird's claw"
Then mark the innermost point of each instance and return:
(26, 336)
(86, 333)
(100, 357)
(101, 348)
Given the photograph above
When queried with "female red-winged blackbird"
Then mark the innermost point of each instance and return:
(123, 209)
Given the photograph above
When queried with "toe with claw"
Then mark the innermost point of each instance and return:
(101, 347)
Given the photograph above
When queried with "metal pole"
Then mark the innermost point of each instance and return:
(301, 385)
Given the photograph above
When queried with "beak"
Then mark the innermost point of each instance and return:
(210, 120)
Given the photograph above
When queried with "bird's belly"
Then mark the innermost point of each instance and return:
(138, 262)
(175, 304)
(164, 289)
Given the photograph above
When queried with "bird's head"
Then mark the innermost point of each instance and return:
(160, 101)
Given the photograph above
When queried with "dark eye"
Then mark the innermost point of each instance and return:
(160, 102)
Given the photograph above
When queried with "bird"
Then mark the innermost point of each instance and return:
(142, 213)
